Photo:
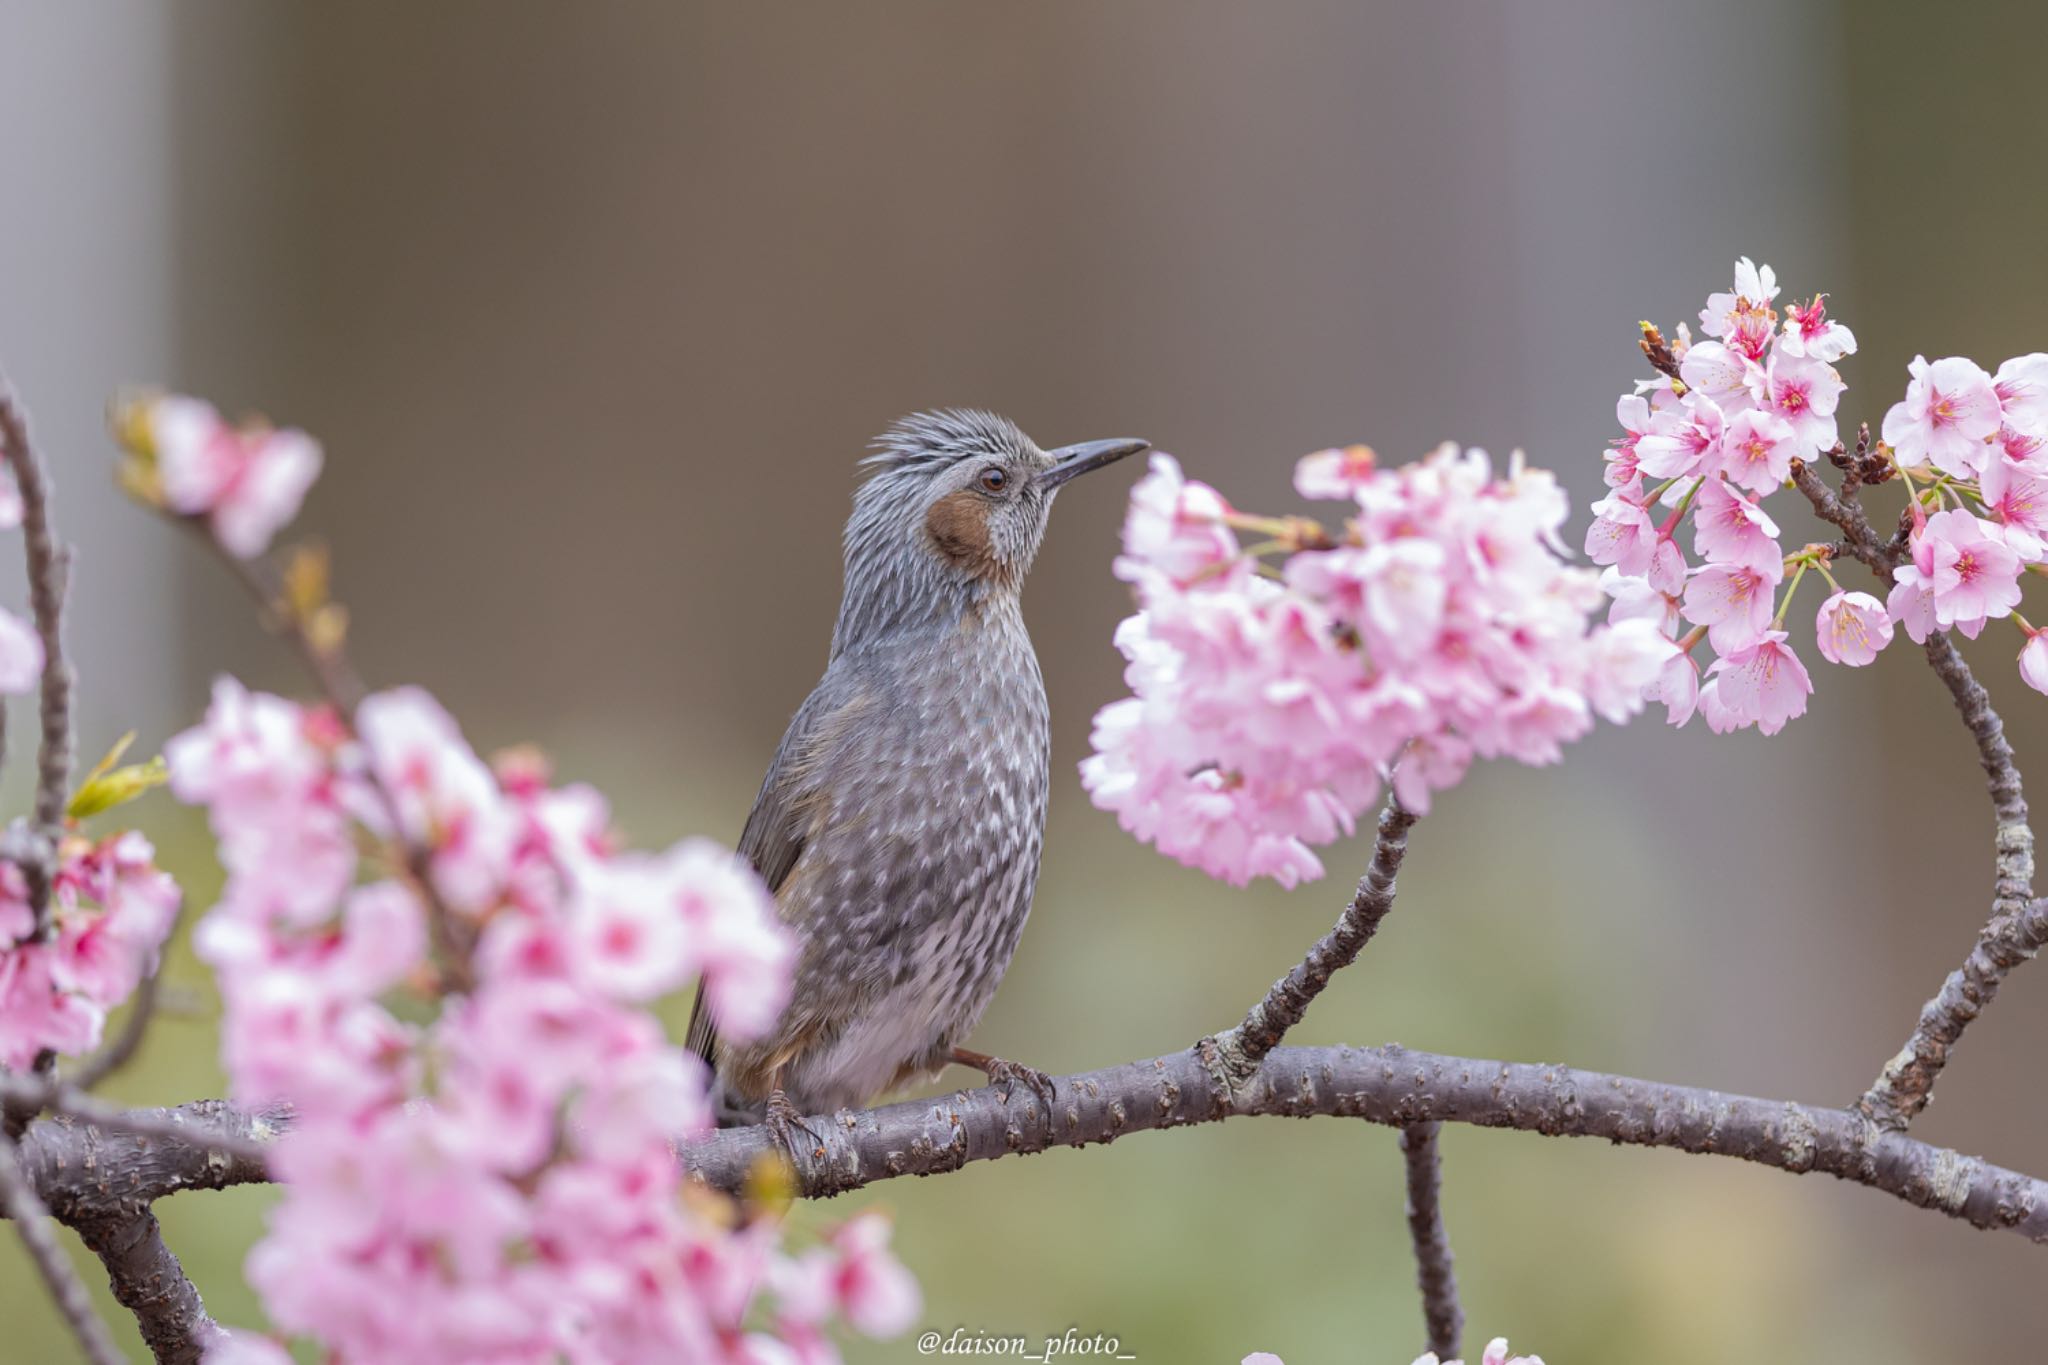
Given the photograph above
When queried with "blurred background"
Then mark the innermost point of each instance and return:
(595, 307)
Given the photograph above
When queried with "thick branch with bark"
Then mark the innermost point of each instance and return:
(1433, 1274)
(21, 1203)
(148, 1281)
(1388, 1085)
(83, 1171)
(1846, 513)
(79, 1170)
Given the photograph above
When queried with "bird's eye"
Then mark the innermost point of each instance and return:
(994, 479)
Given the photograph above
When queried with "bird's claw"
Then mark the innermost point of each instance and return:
(1006, 1076)
(784, 1122)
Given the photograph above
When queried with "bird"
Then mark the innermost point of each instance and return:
(900, 823)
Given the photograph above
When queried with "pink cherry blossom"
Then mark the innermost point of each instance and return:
(1677, 687)
(1731, 529)
(1755, 287)
(2021, 447)
(1685, 443)
(444, 799)
(2034, 661)
(1639, 599)
(1176, 527)
(1911, 603)
(2016, 496)
(1622, 534)
(1719, 372)
(1762, 684)
(110, 911)
(480, 1165)
(248, 482)
(2022, 387)
(1626, 660)
(853, 1274)
(1734, 602)
(1810, 332)
(1446, 626)
(1805, 393)
(21, 655)
(1336, 473)
(1972, 572)
(1950, 410)
(1851, 628)
(1757, 450)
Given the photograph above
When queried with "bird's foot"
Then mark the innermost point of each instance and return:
(1006, 1075)
(784, 1123)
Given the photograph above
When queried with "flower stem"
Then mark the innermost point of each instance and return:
(1778, 621)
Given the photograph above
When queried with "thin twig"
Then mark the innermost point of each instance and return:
(1433, 1274)
(1267, 1022)
(2018, 925)
(48, 572)
(48, 578)
(32, 1220)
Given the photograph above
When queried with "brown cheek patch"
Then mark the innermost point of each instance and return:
(958, 524)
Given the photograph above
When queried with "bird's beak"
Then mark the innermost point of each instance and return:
(1069, 461)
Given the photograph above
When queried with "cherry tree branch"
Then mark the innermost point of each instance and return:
(148, 1281)
(77, 1168)
(1387, 1085)
(2018, 924)
(184, 1124)
(48, 576)
(35, 850)
(83, 1171)
(1267, 1022)
(18, 1199)
(1433, 1274)
(1847, 515)
(100, 1173)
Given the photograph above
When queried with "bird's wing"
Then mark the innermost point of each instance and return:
(774, 836)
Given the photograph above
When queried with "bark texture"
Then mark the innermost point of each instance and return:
(1441, 1315)
(1389, 1085)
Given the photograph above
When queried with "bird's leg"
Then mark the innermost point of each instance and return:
(782, 1118)
(1006, 1075)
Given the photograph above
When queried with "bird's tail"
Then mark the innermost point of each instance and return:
(729, 1110)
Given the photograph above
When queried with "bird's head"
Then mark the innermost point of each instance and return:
(955, 509)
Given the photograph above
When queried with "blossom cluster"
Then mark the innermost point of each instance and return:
(108, 908)
(444, 967)
(245, 481)
(1716, 433)
(1496, 1353)
(109, 912)
(1443, 623)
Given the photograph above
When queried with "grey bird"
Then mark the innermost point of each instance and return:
(900, 824)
